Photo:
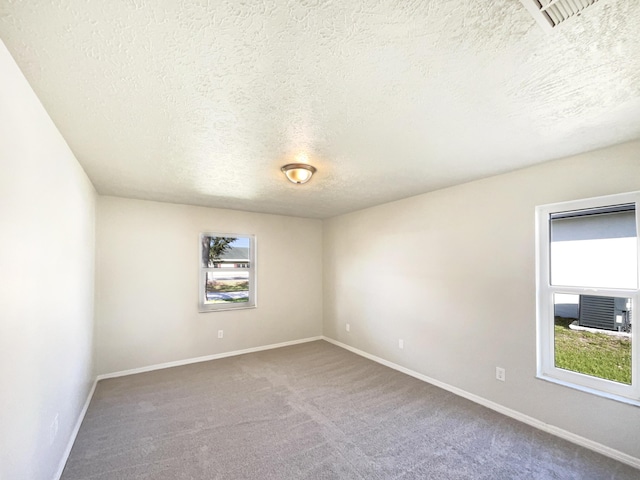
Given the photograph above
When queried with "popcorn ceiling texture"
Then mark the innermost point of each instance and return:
(202, 102)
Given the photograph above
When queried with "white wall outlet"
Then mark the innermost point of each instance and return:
(348, 327)
(220, 333)
(53, 429)
(500, 374)
(401, 344)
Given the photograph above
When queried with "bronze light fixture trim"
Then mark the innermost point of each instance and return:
(298, 173)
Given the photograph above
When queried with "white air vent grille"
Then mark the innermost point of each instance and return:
(551, 13)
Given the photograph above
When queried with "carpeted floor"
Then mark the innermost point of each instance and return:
(310, 411)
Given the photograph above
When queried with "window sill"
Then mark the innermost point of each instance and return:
(228, 309)
(593, 391)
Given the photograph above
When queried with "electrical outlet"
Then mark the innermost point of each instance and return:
(401, 344)
(348, 327)
(500, 374)
(220, 333)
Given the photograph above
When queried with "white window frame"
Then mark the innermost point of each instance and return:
(546, 369)
(217, 307)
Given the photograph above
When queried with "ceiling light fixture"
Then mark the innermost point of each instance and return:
(298, 172)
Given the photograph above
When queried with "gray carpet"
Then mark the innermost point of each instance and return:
(310, 411)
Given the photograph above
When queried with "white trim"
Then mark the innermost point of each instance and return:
(76, 429)
(545, 291)
(74, 433)
(592, 391)
(558, 432)
(252, 270)
(564, 434)
(206, 358)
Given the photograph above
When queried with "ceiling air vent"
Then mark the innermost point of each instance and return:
(551, 13)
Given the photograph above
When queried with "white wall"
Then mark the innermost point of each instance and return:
(453, 274)
(147, 283)
(47, 210)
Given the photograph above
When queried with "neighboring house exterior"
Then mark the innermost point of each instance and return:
(233, 257)
(596, 250)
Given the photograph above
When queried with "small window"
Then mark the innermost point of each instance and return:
(587, 255)
(227, 272)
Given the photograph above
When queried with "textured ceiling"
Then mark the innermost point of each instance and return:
(201, 102)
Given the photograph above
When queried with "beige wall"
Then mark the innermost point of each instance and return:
(452, 273)
(147, 283)
(47, 211)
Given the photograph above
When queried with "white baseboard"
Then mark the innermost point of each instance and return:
(558, 432)
(566, 435)
(74, 432)
(76, 429)
(206, 358)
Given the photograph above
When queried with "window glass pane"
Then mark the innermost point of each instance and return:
(591, 249)
(225, 252)
(226, 287)
(592, 335)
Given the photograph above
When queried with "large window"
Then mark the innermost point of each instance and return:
(227, 272)
(587, 253)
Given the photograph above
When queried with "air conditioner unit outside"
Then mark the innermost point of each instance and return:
(606, 313)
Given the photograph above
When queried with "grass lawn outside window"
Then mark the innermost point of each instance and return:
(597, 354)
